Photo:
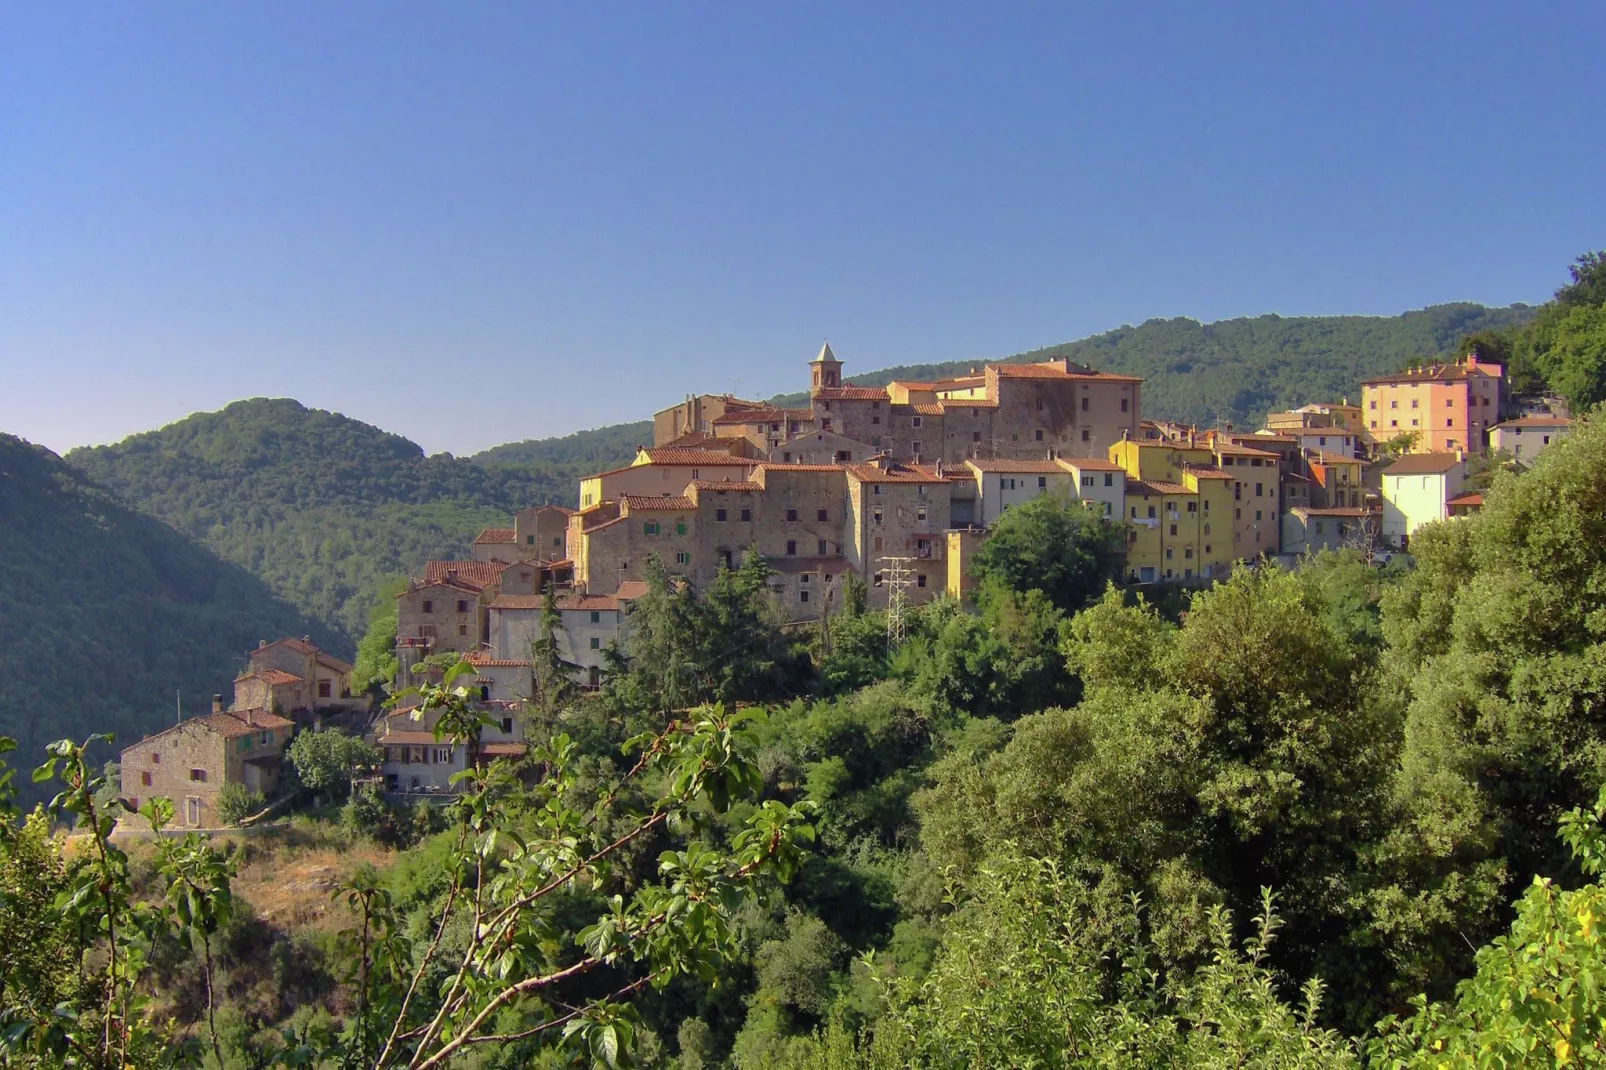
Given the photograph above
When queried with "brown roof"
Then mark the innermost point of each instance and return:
(966, 403)
(646, 503)
(503, 750)
(395, 738)
(1092, 464)
(452, 584)
(775, 466)
(1466, 499)
(1243, 451)
(898, 473)
(764, 415)
(302, 646)
(1323, 457)
(745, 485)
(852, 393)
(495, 536)
(1433, 373)
(1055, 370)
(1421, 464)
(481, 660)
(479, 574)
(925, 408)
(1537, 421)
(589, 602)
(274, 677)
(1155, 486)
(630, 590)
(675, 456)
(1046, 467)
(1199, 472)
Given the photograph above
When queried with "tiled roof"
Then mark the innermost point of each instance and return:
(1199, 472)
(564, 509)
(675, 456)
(899, 473)
(274, 677)
(300, 646)
(474, 573)
(1466, 499)
(1421, 464)
(958, 382)
(1433, 373)
(966, 403)
(503, 750)
(589, 602)
(646, 503)
(1323, 457)
(495, 536)
(1056, 371)
(1043, 467)
(851, 393)
(452, 584)
(1155, 486)
(776, 466)
(718, 485)
(1536, 421)
(630, 590)
(764, 415)
(395, 738)
(484, 661)
(1092, 464)
(925, 408)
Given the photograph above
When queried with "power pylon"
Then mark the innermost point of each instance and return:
(898, 580)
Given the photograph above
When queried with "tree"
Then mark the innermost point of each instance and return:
(376, 664)
(326, 761)
(553, 676)
(236, 802)
(1052, 544)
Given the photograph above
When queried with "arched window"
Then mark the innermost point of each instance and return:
(485, 692)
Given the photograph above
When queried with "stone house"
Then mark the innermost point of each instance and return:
(1308, 530)
(1526, 437)
(695, 415)
(191, 762)
(293, 675)
(899, 511)
(821, 447)
(662, 472)
(765, 428)
(414, 762)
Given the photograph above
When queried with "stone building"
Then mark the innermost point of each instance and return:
(190, 763)
(695, 415)
(292, 675)
(414, 762)
(1528, 436)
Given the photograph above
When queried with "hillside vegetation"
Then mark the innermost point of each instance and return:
(321, 507)
(591, 451)
(105, 612)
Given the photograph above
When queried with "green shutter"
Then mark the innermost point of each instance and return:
(680, 529)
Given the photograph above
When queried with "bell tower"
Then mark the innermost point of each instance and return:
(824, 370)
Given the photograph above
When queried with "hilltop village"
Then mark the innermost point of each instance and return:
(894, 486)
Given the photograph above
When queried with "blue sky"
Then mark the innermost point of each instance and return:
(478, 223)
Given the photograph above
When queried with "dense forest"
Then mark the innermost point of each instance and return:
(592, 451)
(323, 508)
(107, 612)
(1339, 816)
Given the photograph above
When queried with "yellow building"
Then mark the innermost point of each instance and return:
(1179, 511)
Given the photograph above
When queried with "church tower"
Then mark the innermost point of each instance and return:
(824, 370)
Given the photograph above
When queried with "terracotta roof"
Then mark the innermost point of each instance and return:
(670, 455)
(564, 509)
(646, 503)
(482, 660)
(413, 737)
(1199, 472)
(775, 466)
(1466, 499)
(451, 584)
(503, 750)
(1155, 486)
(589, 602)
(966, 403)
(1323, 457)
(1056, 370)
(474, 573)
(925, 408)
(1044, 467)
(719, 485)
(764, 415)
(274, 677)
(958, 381)
(301, 646)
(898, 473)
(1421, 464)
(630, 590)
(851, 393)
(1434, 373)
(1092, 464)
(495, 536)
(1244, 451)
(1536, 421)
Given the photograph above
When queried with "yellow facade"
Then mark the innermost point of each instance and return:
(1178, 512)
(1164, 460)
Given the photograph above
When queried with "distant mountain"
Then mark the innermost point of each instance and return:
(107, 612)
(321, 507)
(1238, 370)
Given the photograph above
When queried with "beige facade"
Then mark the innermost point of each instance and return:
(662, 472)
(416, 763)
(1417, 490)
(821, 447)
(695, 415)
(1527, 437)
(1307, 530)
(899, 512)
(292, 675)
(190, 763)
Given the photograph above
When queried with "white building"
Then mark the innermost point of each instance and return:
(1003, 483)
(1100, 483)
(1417, 490)
(589, 624)
(416, 763)
(1527, 436)
(1337, 440)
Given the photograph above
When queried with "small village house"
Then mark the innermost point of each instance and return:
(191, 762)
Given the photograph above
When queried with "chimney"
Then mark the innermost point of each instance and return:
(262, 644)
(307, 639)
(939, 468)
(217, 703)
(250, 715)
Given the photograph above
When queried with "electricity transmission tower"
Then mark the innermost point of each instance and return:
(898, 580)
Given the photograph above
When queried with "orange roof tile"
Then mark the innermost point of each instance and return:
(1422, 464)
(589, 602)
(495, 536)
(1155, 486)
(273, 677)
(1091, 464)
(1435, 373)
(966, 403)
(630, 590)
(764, 415)
(1466, 499)
(475, 573)
(1234, 450)
(1056, 371)
(898, 473)
(668, 455)
(1205, 473)
(776, 466)
(1000, 465)
(851, 393)
(646, 503)
(1536, 421)
(721, 485)
(503, 750)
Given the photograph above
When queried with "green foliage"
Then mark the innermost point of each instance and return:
(376, 664)
(326, 761)
(323, 508)
(1053, 544)
(143, 610)
(367, 814)
(236, 802)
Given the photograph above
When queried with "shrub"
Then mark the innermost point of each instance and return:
(236, 802)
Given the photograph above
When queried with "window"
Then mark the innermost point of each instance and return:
(1237, 514)
(198, 776)
(747, 514)
(1039, 404)
(1151, 512)
(429, 606)
(596, 616)
(507, 725)
(557, 540)
(920, 580)
(878, 580)
(1123, 404)
(822, 550)
(875, 514)
(876, 544)
(1207, 548)
(1109, 479)
(1039, 434)
(875, 488)
(1394, 423)
(1373, 405)
(1087, 436)
(1042, 482)
(1188, 553)
(1449, 404)
(802, 596)
(1084, 404)
(915, 422)
(1394, 404)
(462, 605)
(596, 642)
(442, 756)
(485, 692)
(1257, 514)
(156, 758)
(719, 515)
(1260, 490)
(791, 547)
(680, 528)
(875, 419)
(975, 436)
(1207, 531)
(1449, 423)
(1173, 529)
(462, 629)
(804, 578)
(1168, 556)
(145, 780)
(682, 558)
(323, 688)
(1193, 507)
(915, 446)
(650, 527)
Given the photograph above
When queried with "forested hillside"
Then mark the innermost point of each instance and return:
(322, 507)
(1238, 370)
(105, 612)
(591, 451)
